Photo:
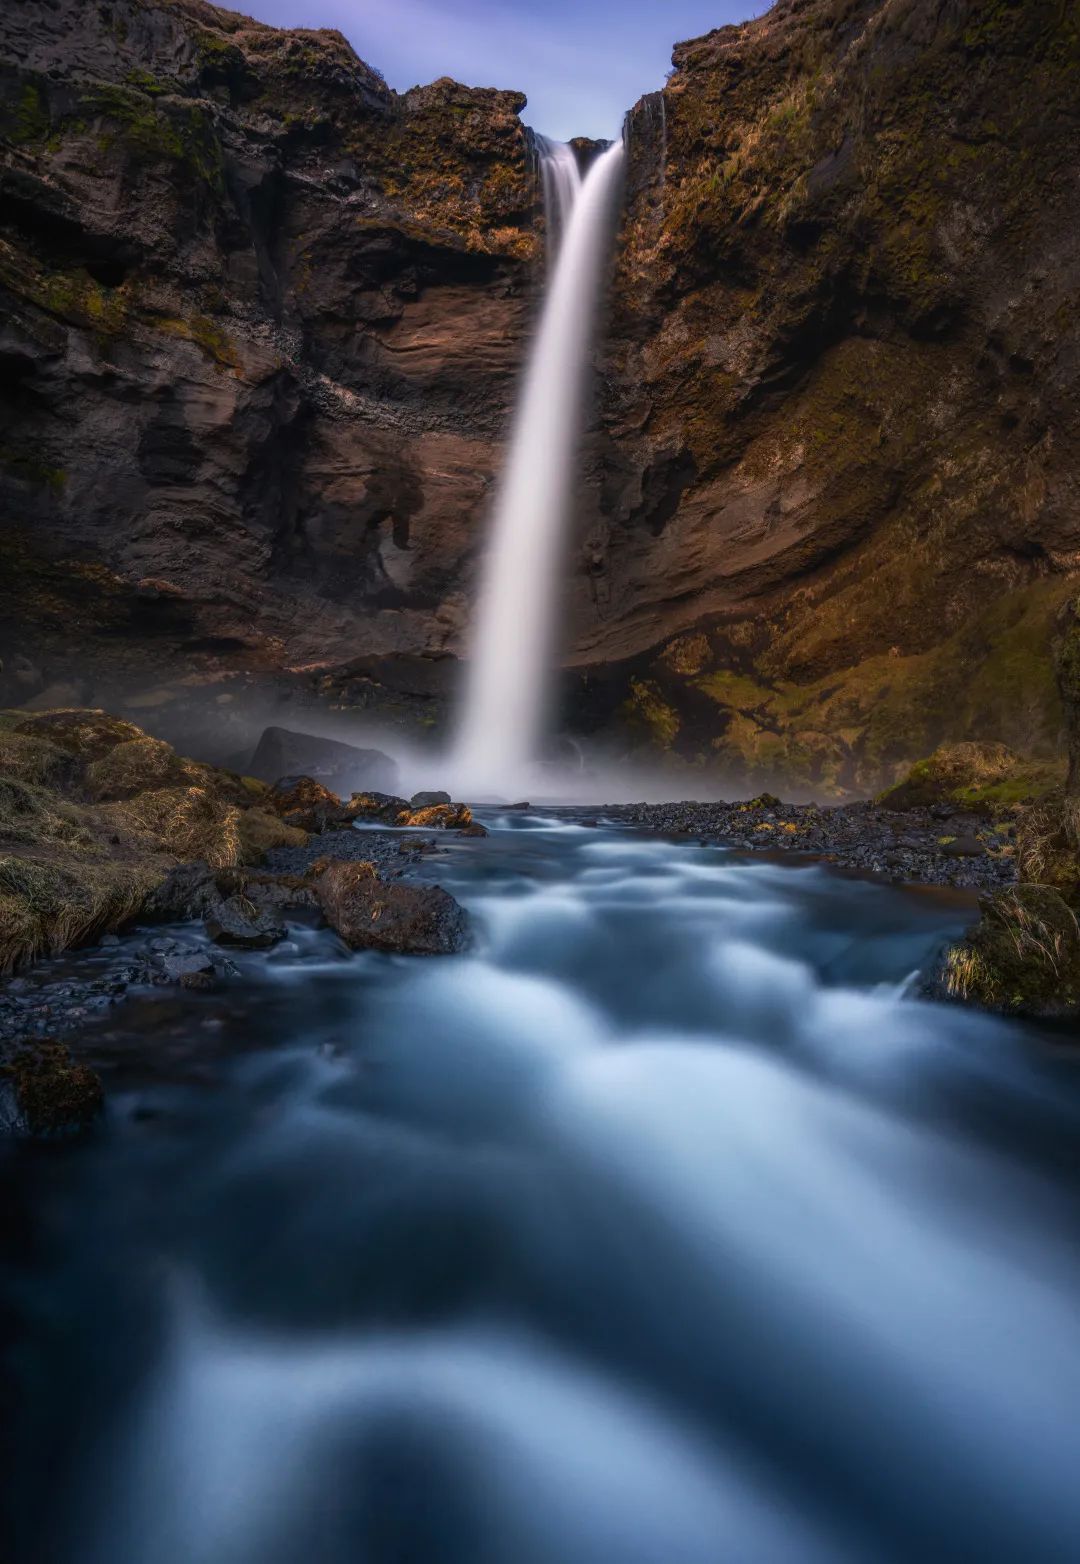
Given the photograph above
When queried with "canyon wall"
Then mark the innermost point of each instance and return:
(836, 483)
(260, 323)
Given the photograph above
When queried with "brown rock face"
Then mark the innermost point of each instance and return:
(259, 323)
(370, 914)
(835, 477)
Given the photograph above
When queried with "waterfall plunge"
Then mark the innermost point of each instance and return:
(513, 646)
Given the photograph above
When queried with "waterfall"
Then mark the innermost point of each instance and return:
(513, 647)
(560, 185)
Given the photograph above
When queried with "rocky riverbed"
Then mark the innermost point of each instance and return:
(934, 846)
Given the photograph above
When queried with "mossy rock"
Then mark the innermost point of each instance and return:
(46, 1092)
(1022, 958)
(980, 777)
(86, 732)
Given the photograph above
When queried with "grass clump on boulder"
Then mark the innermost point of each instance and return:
(979, 777)
(94, 814)
(1022, 958)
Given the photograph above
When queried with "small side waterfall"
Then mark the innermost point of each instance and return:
(513, 646)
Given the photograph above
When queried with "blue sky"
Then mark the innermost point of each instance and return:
(582, 62)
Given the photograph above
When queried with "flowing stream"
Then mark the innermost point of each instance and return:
(512, 653)
(665, 1227)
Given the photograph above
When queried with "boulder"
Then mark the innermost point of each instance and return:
(238, 921)
(423, 799)
(45, 1092)
(371, 914)
(982, 778)
(1021, 958)
(964, 847)
(439, 817)
(473, 829)
(281, 752)
(382, 808)
(304, 803)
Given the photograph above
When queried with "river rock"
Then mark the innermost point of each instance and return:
(304, 802)
(440, 817)
(385, 808)
(237, 921)
(44, 1091)
(964, 847)
(281, 752)
(371, 914)
(423, 799)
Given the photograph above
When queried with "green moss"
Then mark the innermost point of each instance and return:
(143, 81)
(32, 467)
(151, 131)
(29, 121)
(645, 709)
(733, 689)
(206, 334)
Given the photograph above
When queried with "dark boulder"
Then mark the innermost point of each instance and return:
(1021, 958)
(440, 817)
(423, 799)
(238, 921)
(384, 808)
(964, 847)
(281, 752)
(44, 1091)
(370, 914)
(305, 802)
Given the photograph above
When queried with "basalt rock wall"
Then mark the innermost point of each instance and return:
(835, 504)
(260, 319)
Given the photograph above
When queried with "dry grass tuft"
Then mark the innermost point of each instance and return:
(137, 766)
(187, 822)
(261, 831)
(28, 759)
(1046, 846)
(46, 908)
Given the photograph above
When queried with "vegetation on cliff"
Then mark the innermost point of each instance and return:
(840, 436)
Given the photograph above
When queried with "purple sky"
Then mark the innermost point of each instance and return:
(582, 62)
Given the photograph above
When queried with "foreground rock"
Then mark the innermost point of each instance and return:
(94, 816)
(345, 768)
(44, 1091)
(371, 914)
(981, 778)
(1022, 958)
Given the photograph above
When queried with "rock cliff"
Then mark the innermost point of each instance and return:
(836, 480)
(261, 319)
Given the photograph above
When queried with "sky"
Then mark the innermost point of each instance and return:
(583, 63)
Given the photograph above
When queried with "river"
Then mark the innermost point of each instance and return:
(669, 1226)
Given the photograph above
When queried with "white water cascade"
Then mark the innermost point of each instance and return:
(513, 646)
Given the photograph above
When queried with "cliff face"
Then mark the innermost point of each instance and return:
(261, 317)
(836, 482)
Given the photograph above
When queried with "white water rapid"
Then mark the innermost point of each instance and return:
(513, 646)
